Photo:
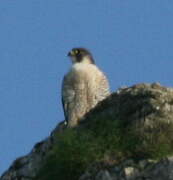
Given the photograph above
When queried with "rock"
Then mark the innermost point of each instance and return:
(147, 109)
(129, 171)
(161, 170)
(26, 168)
(104, 175)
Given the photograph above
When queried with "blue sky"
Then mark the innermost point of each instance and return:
(131, 42)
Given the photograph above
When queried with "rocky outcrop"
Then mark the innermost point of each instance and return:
(27, 167)
(146, 109)
(131, 170)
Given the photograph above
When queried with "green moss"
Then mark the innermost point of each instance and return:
(102, 140)
(69, 157)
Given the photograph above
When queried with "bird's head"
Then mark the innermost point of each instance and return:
(81, 55)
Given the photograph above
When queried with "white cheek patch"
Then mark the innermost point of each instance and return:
(78, 66)
(86, 60)
(73, 58)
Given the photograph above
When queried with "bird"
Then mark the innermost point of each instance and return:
(83, 86)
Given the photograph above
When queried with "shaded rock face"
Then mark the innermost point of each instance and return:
(139, 105)
(146, 108)
(26, 168)
(130, 170)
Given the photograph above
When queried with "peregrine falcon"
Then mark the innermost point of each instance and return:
(83, 86)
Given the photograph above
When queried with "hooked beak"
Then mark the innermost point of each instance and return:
(71, 53)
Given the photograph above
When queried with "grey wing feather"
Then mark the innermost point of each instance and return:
(63, 102)
(64, 105)
(74, 97)
(67, 96)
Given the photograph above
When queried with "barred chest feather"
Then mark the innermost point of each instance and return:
(97, 82)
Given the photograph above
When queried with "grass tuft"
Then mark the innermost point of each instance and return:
(102, 141)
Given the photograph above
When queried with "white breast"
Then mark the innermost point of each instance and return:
(81, 66)
(90, 69)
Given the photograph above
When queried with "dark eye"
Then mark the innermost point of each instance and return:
(76, 51)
